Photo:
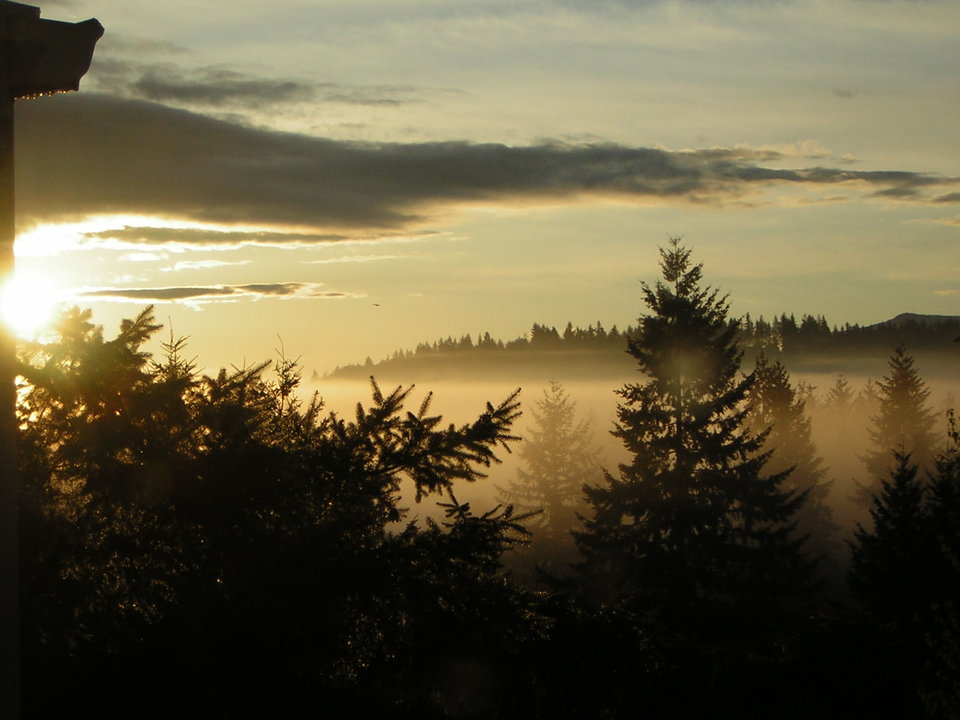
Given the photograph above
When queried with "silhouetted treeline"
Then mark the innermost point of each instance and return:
(783, 336)
(217, 546)
(810, 334)
(540, 337)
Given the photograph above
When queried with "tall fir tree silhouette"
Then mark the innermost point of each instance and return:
(692, 522)
(901, 576)
(904, 425)
(889, 569)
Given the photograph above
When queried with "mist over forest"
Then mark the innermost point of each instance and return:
(589, 364)
(718, 518)
(808, 345)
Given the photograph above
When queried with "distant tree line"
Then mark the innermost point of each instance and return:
(785, 334)
(782, 336)
(540, 337)
(215, 545)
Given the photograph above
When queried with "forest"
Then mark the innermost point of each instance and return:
(223, 545)
(804, 344)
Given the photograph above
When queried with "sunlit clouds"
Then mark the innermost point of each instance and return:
(489, 164)
(219, 293)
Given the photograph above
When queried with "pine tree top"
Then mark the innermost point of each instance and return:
(686, 343)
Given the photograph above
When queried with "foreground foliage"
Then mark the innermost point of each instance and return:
(213, 545)
(212, 539)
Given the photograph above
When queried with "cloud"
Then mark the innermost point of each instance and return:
(216, 87)
(90, 154)
(213, 293)
(198, 238)
(144, 257)
(352, 259)
(276, 289)
(897, 192)
(364, 94)
(112, 44)
(158, 294)
(205, 238)
(212, 87)
(204, 264)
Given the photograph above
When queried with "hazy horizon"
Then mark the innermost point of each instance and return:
(352, 178)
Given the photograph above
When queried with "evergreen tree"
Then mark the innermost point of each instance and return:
(779, 409)
(692, 522)
(841, 425)
(788, 331)
(839, 400)
(559, 457)
(889, 564)
(941, 687)
(765, 336)
(894, 575)
(904, 424)
(945, 496)
(542, 336)
(905, 572)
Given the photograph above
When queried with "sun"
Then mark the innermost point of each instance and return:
(28, 302)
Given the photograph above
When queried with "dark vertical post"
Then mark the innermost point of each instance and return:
(9, 485)
(36, 57)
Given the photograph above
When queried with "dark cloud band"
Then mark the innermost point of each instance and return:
(89, 154)
(223, 88)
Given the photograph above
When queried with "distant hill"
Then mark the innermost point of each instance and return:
(916, 318)
(806, 345)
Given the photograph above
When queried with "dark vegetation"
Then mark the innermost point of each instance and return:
(809, 344)
(216, 546)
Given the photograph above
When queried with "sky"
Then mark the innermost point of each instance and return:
(341, 179)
